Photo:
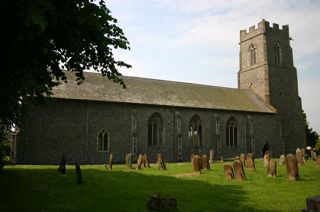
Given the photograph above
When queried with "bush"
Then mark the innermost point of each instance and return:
(317, 147)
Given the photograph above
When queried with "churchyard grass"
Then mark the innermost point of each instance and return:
(42, 188)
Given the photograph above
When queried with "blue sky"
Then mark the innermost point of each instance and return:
(197, 40)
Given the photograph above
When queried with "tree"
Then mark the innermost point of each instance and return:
(311, 135)
(41, 39)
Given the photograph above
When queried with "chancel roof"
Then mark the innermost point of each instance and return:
(161, 92)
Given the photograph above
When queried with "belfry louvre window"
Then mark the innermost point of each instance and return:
(155, 130)
(253, 51)
(103, 141)
(195, 131)
(231, 133)
(277, 53)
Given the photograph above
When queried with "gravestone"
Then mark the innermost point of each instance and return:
(62, 167)
(196, 163)
(318, 160)
(250, 161)
(313, 154)
(139, 162)
(313, 204)
(282, 160)
(129, 160)
(238, 170)
(266, 159)
(242, 158)
(228, 171)
(146, 161)
(272, 168)
(78, 173)
(221, 158)
(110, 161)
(292, 167)
(160, 161)
(205, 162)
(192, 155)
(299, 156)
(211, 158)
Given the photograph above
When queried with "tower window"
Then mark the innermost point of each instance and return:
(103, 141)
(155, 130)
(195, 131)
(231, 133)
(253, 52)
(277, 53)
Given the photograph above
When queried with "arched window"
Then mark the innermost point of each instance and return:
(195, 131)
(103, 141)
(231, 132)
(277, 53)
(253, 52)
(155, 130)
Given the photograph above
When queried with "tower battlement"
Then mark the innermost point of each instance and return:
(263, 27)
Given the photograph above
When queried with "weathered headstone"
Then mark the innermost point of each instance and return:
(162, 203)
(292, 167)
(228, 171)
(78, 173)
(140, 162)
(313, 204)
(129, 160)
(313, 154)
(272, 168)
(192, 155)
(282, 160)
(238, 169)
(196, 163)
(205, 162)
(266, 159)
(299, 156)
(243, 158)
(146, 161)
(160, 161)
(318, 160)
(250, 161)
(110, 161)
(221, 158)
(62, 167)
(211, 157)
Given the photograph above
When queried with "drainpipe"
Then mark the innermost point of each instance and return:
(172, 132)
(87, 133)
(245, 134)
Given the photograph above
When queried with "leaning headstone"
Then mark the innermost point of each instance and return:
(211, 157)
(272, 168)
(250, 161)
(292, 167)
(205, 162)
(282, 160)
(242, 158)
(266, 159)
(78, 173)
(62, 167)
(162, 203)
(129, 160)
(221, 158)
(299, 156)
(146, 161)
(228, 171)
(238, 169)
(313, 204)
(196, 163)
(160, 161)
(139, 162)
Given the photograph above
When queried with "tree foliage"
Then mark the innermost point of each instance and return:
(311, 135)
(41, 39)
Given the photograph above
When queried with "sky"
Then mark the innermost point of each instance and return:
(197, 41)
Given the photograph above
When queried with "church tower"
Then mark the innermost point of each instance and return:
(266, 68)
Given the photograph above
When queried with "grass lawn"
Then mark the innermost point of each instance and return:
(42, 188)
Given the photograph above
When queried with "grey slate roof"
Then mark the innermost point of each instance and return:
(161, 92)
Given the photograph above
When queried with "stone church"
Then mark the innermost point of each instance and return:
(89, 121)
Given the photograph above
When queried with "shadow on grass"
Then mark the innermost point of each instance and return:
(102, 190)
